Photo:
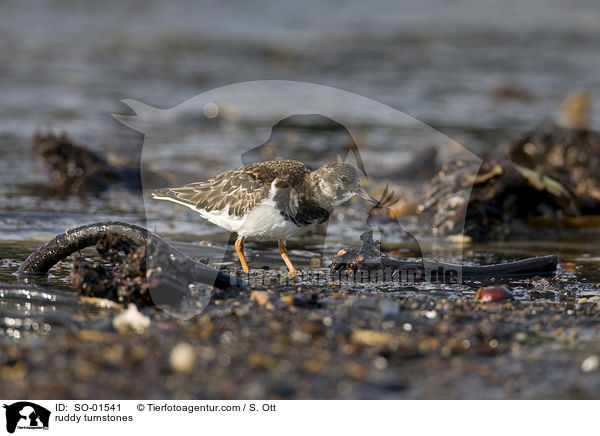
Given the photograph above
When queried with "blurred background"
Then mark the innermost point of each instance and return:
(476, 70)
(472, 68)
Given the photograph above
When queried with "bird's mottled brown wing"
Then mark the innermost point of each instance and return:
(242, 189)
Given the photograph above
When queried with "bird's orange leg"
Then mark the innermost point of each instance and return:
(286, 258)
(239, 248)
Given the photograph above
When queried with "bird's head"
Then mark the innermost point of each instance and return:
(335, 183)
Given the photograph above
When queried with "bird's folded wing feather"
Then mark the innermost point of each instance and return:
(242, 189)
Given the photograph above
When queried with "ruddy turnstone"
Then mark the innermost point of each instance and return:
(272, 200)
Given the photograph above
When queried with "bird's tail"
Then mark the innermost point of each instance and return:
(162, 193)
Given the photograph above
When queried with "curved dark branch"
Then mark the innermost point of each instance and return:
(65, 244)
(369, 258)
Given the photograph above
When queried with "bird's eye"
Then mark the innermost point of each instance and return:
(344, 179)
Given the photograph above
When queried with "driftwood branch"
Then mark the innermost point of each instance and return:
(368, 258)
(170, 260)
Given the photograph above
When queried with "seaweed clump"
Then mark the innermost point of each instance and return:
(495, 201)
(570, 155)
(120, 275)
(77, 170)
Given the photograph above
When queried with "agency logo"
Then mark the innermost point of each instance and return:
(26, 415)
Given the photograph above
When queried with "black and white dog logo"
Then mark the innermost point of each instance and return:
(26, 415)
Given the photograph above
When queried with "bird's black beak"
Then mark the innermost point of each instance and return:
(364, 194)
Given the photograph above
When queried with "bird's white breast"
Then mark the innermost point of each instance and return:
(263, 222)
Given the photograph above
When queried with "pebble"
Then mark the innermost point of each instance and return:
(370, 337)
(356, 370)
(113, 354)
(380, 363)
(131, 320)
(182, 357)
(280, 389)
(259, 297)
(430, 314)
(590, 364)
(387, 307)
(253, 390)
(13, 373)
(493, 294)
(259, 360)
(288, 299)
